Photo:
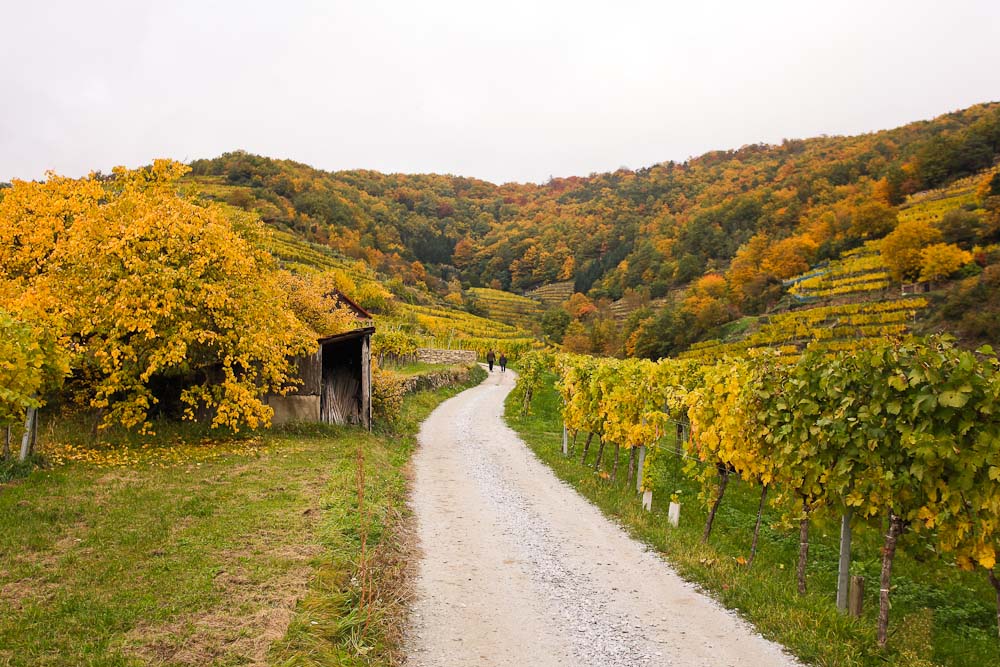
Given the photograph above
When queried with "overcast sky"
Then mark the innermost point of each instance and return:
(505, 91)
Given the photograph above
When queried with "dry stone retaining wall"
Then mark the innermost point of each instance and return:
(432, 356)
(436, 380)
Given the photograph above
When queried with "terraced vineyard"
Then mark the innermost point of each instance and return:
(834, 327)
(930, 206)
(412, 325)
(622, 308)
(437, 326)
(301, 256)
(516, 310)
(859, 271)
(554, 294)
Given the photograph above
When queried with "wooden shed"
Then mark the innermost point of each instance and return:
(336, 380)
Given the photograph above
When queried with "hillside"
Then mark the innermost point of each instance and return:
(756, 216)
(408, 316)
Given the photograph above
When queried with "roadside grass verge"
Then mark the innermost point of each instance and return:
(195, 551)
(940, 614)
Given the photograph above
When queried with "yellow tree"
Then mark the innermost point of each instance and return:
(940, 260)
(30, 365)
(901, 249)
(147, 284)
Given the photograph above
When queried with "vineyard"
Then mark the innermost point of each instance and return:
(858, 272)
(436, 326)
(513, 309)
(903, 436)
(834, 327)
(622, 308)
(931, 206)
(404, 326)
(553, 295)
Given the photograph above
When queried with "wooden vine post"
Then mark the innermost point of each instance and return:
(640, 467)
(856, 596)
(844, 566)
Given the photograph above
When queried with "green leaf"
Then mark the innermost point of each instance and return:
(893, 407)
(898, 382)
(953, 399)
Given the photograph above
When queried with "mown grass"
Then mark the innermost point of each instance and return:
(940, 614)
(246, 557)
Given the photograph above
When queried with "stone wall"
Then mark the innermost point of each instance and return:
(436, 380)
(432, 356)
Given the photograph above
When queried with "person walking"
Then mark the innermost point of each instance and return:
(503, 362)
(491, 359)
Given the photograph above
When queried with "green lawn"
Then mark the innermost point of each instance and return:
(940, 615)
(246, 554)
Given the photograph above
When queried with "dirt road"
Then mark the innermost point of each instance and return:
(518, 569)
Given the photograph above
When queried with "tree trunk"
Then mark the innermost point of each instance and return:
(586, 448)
(723, 481)
(614, 466)
(992, 575)
(803, 548)
(888, 553)
(27, 438)
(600, 453)
(631, 464)
(756, 528)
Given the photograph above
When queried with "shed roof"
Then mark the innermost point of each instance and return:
(347, 335)
(344, 300)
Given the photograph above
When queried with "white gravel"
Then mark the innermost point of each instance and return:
(519, 569)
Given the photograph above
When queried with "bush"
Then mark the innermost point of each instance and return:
(387, 395)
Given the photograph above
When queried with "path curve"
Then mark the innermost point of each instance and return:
(518, 569)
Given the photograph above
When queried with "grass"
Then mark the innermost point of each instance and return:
(245, 556)
(940, 615)
(419, 368)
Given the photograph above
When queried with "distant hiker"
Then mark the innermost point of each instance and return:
(503, 362)
(490, 359)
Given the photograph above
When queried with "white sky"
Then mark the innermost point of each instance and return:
(512, 90)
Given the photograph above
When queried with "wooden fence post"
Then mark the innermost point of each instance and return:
(856, 597)
(565, 441)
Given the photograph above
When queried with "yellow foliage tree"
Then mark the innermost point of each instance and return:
(30, 363)
(940, 260)
(901, 249)
(146, 284)
(789, 256)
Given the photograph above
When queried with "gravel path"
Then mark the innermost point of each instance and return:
(518, 569)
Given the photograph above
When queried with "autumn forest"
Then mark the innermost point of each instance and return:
(694, 245)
